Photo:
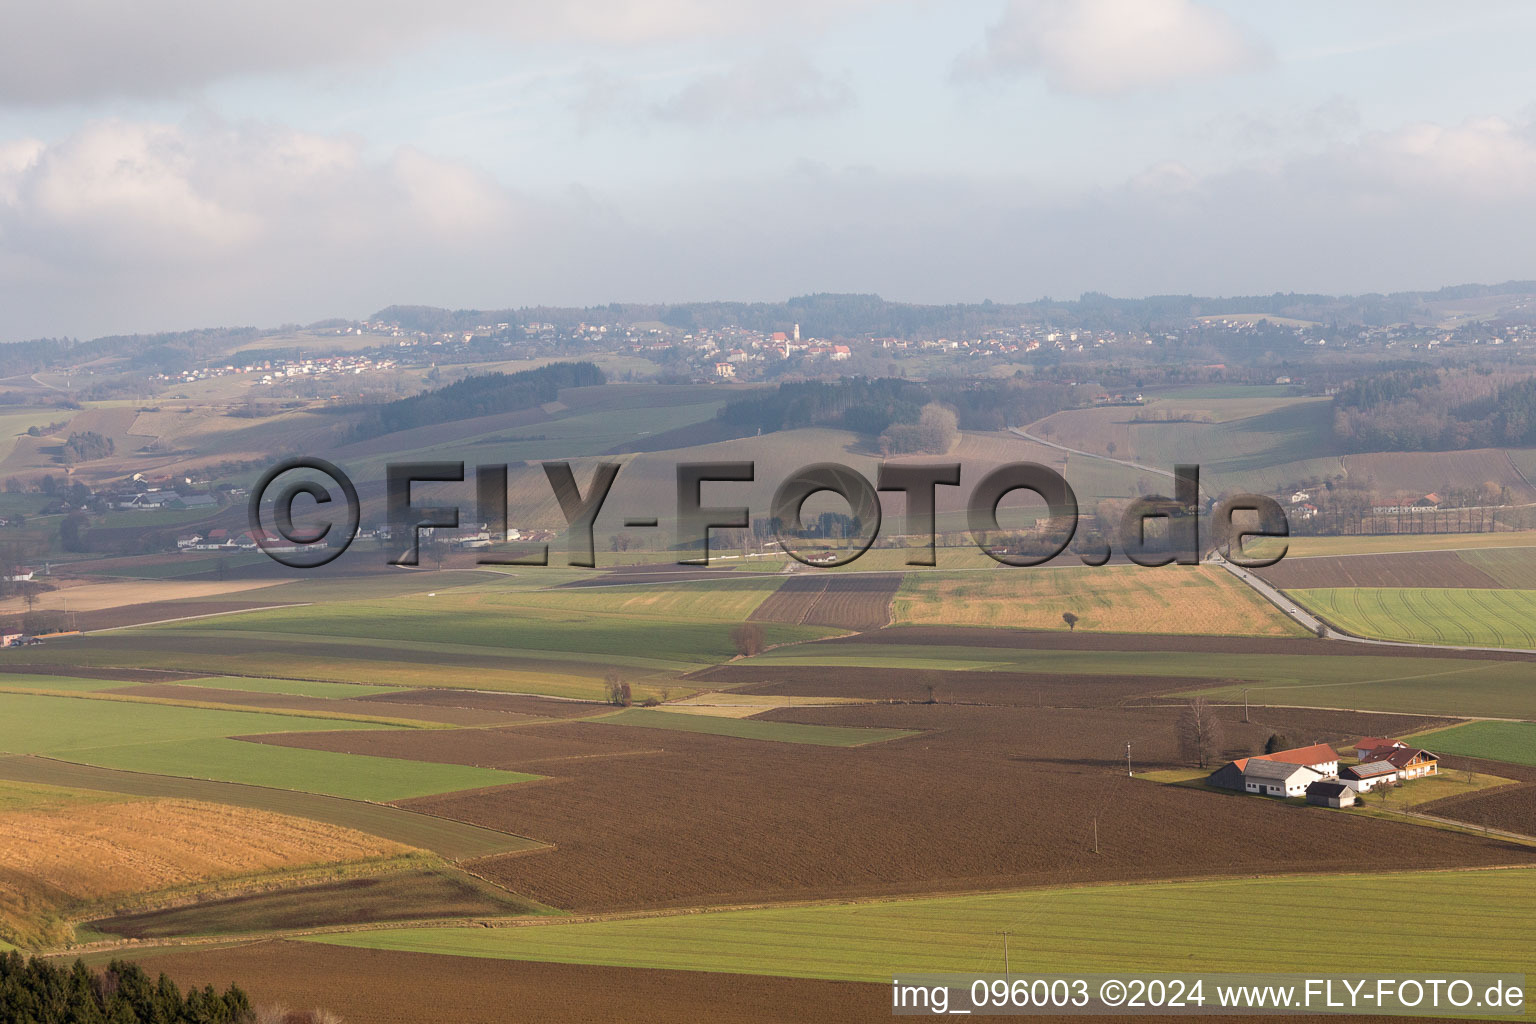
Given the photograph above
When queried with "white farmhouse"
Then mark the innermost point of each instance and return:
(1277, 778)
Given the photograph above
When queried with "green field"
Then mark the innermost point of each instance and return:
(1457, 616)
(750, 729)
(1481, 920)
(1375, 544)
(62, 684)
(480, 620)
(1514, 742)
(288, 687)
(1403, 683)
(190, 742)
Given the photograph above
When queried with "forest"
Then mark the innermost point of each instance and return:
(481, 395)
(1415, 410)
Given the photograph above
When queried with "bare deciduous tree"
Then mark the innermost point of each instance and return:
(747, 638)
(1199, 733)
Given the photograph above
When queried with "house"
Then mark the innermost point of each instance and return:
(1413, 763)
(1362, 778)
(1298, 497)
(195, 501)
(1277, 778)
(1330, 794)
(1229, 776)
(1320, 757)
(1366, 746)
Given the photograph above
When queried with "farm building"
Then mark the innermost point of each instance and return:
(1330, 794)
(1320, 757)
(1362, 778)
(1229, 776)
(1277, 778)
(1411, 762)
(1366, 744)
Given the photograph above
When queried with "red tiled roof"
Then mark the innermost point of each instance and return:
(1372, 742)
(1317, 753)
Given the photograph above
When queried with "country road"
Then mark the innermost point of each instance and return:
(1274, 596)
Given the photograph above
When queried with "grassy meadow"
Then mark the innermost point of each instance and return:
(193, 743)
(1514, 742)
(1481, 920)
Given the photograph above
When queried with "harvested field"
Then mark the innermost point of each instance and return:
(451, 839)
(959, 808)
(848, 600)
(125, 675)
(1420, 569)
(1120, 599)
(59, 857)
(366, 986)
(400, 896)
(90, 597)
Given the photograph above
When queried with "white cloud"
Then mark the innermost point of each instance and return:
(1104, 47)
(765, 88)
(68, 50)
(136, 226)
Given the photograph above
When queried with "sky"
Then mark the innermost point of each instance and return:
(171, 164)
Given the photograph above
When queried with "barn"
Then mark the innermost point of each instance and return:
(1229, 776)
(1277, 778)
(1330, 794)
(1320, 757)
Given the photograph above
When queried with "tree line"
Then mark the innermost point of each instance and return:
(480, 395)
(1435, 410)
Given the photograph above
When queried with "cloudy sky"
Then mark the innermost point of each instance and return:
(174, 163)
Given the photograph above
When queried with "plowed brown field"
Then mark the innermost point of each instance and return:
(1420, 569)
(985, 797)
(365, 986)
(849, 600)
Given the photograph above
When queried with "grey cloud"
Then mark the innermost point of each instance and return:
(73, 50)
(768, 87)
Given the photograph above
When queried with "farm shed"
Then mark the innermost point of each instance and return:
(1330, 794)
(1229, 776)
(1276, 778)
(1320, 757)
(1362, 778)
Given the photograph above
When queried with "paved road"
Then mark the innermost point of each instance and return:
(1275, 597)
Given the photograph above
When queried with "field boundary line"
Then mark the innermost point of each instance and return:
(207, 615)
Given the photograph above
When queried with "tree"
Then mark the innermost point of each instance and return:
(1110, 448)
(747, 638)
(1070, 619)
(618, 689)
(1321, 630)
(1277, 741)
(70, 532)
(1199, 733)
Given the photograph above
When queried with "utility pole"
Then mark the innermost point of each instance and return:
(1245, 703)
(1095, 835)
(1005, 956)
(1128, 759)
